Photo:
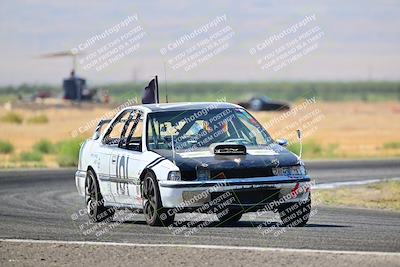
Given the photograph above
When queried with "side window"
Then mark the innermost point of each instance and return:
(113, 137)
(152, 133)
(139, 128)
(132, 134)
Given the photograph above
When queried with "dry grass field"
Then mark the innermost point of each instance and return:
(341, 129)
(383, 195)
(356, 129)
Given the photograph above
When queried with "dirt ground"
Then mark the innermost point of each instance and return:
(353, 129)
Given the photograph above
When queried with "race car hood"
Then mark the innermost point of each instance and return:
(257, 162)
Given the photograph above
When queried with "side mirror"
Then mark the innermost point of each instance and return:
(282, 142)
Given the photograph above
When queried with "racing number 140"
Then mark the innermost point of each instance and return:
(122, 173)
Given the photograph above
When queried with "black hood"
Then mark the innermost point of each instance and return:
(257, 162)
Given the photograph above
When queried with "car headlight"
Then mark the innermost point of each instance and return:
(290, 170)
(174, 176)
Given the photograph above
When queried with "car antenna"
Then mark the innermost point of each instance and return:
(166, 87)
(301, 143)
(172, 146)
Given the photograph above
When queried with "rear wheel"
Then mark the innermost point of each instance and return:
(228, 216)
(96, 210)
(296, 215)
(153, 210)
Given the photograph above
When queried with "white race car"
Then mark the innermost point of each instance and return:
(164, 159)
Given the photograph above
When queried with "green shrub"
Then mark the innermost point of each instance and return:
(295, 148)
(313, 148)
(44, 146)
(391, 145)
(31, 156)
(68, 152)
(310, 149)
(38, 119)
(330, 151)
(6, 147)
(12, 117)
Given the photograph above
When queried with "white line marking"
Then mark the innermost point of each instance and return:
(95, 243)
(351, 183)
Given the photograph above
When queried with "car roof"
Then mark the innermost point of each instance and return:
(187, 106)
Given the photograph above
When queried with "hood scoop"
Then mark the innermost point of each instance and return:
(228, 149)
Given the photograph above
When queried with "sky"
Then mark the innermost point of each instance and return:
(354, 40)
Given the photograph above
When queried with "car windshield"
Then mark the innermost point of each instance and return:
(197, 129)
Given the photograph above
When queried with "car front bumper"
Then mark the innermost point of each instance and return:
(80, 178)
(245, 193)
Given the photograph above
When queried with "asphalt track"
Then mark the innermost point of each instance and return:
(40, 204)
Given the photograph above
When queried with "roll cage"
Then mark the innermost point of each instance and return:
(130, 118)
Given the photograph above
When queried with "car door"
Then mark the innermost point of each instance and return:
(101, 153)
(126, 162)
(106, 150)
(102, 159)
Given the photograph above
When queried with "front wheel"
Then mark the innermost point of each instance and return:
(296, 215)
(153, 210)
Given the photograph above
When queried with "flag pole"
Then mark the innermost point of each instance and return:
(166, 88)
(157, 91)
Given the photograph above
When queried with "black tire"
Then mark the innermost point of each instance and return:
(95, 208)
(296, 215)
(229, 216)
(154, 213)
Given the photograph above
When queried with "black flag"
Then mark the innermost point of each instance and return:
(149, 93)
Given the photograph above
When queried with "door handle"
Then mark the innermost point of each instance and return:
(113, 159)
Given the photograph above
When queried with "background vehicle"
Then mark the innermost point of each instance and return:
(265, 103)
